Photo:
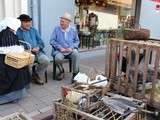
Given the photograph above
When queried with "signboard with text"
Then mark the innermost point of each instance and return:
(150, 17)
(158, 1)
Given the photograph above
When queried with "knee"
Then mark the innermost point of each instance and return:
(75, 54)
(47, 61)
(44, 60)
(59, 59)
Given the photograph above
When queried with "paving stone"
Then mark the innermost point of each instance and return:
(46, 109)
(8, 106)
(49, 99)
(34, 113)
(40, 93)
(31, 104)
(44, 116)
(14, 109)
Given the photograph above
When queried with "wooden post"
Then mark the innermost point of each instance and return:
(156, 65)
(107, 65)
(120, 64)
(136, 68)
(128, 67)
(146, 62)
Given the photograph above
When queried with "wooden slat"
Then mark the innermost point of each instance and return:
(136, 68)
(128, 66)
(121, 47)
(113, 60)
(137, 42)
(107, 65)
(146, 62)
(156, 65)
(78, 112)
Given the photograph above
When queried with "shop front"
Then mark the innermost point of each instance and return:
(97, 20)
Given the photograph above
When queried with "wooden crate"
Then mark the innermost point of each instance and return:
(90, 93)
(141, 76)
(98, 112)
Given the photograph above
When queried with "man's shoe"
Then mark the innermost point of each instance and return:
(73, 75)
(37, 79)
(34, 77)
(60, 76)
(39, 82)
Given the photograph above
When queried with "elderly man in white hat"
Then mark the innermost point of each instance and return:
(65, 43)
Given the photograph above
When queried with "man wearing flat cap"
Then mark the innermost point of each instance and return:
(65, 42)
(31, 35)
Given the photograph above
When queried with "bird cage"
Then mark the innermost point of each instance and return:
(81, 96)
(99, 112)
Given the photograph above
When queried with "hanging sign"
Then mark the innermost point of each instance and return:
(157, 7)
(158, 1)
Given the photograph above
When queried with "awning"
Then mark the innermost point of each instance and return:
(103, 3)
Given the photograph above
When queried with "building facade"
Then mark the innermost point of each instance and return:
(12, 8)
(150, 17)
(46, 14)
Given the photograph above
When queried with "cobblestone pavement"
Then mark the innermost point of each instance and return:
(40, 98)
(39, 102)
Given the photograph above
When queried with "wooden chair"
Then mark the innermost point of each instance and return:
(55, 66)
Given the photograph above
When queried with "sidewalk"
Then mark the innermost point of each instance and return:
(40, 98)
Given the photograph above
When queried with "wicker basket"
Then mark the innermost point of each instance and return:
(136, 34)
(19, 60)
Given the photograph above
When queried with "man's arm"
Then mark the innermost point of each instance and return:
(39, 39)
(53, 41)
(19, 35)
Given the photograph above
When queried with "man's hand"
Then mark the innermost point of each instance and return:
(35, 50)
(69, 49)
(65, 50)
(62, 50)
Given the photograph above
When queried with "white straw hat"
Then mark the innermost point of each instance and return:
(67, 16)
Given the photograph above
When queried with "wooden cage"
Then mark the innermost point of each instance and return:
(133, 69)
(91, 94)
(99, 111)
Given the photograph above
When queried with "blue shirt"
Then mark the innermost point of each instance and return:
(31, 36)
(64, 39)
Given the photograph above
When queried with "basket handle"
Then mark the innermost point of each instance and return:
(28, 44)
